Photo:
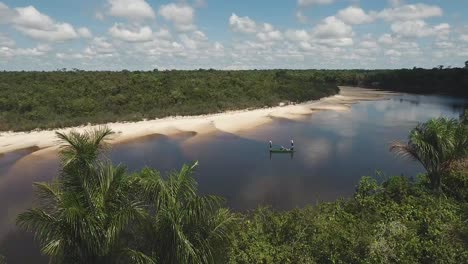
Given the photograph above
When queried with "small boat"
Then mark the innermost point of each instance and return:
(282, 149)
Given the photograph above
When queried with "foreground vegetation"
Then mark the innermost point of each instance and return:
(30, 100)
(96, 212)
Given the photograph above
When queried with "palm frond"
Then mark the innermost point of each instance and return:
(49, 194)
(38, 221)
(136, 257)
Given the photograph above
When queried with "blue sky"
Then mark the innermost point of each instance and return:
(241, 34)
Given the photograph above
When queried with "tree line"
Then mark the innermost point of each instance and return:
(96, 212)
(30, 100)
(43, 100)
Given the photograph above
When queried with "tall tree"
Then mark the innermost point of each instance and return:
(81, 215)
(436, 144)
(187, 227)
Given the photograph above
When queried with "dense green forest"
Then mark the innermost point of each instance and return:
(30, 100)
(448, 81)
(95, 212)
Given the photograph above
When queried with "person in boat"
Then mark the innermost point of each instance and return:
(289, 149)
(271, 145)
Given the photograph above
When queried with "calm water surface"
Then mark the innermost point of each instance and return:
(334, 149)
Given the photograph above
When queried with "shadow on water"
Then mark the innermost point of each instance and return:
(333, 151)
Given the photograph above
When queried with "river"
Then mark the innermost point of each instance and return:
(333, 150)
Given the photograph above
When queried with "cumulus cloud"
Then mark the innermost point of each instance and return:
(333, 28)
(264, 32)
(6, 41)
(194, 41)
(270, 36)
(131, 34)
(85, 32)
(387, 39)
(419, 28)
(6, 14)
(131, 9)
(163, 34)
(354, 15)
(410, 12)
(464, 37)
(242, 24)
(444, 44)
(99, 46)
(36, 51)
(369, 44)
(297, 35)
(393, 53)
(38, 26)
(29, 21)
(180, 15)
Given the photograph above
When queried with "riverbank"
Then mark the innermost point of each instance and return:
(230, 122)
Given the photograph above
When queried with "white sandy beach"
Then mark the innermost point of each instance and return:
(231, 122)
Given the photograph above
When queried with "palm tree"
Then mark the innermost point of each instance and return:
(436, 144)
(186, 227)
(81, 216)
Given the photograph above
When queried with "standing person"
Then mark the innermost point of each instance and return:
(271, 144)
(292, 144)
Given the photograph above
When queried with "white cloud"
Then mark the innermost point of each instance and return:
(163, 34)
(339, 42)
(242, 24)
(387, 39)
(314, 2)
(410, 12)
(332, 27)
(131, 9)
(354, 15)
(30, 17)
(6, 14)
(99, 46)
(180, 15)
(264, 32)
(369, 44)
(393, 53)
(444, 45)
(29, 21)
(270, 36)
(11, 52)
(72, 56)
(131, 34)
(298, 35)
(419, 28)
(60, 32)
(6, 41)
(464, 37)
(85, 32)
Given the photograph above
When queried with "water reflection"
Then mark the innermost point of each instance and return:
(333, 150)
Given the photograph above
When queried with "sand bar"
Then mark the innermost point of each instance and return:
(230, 122)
